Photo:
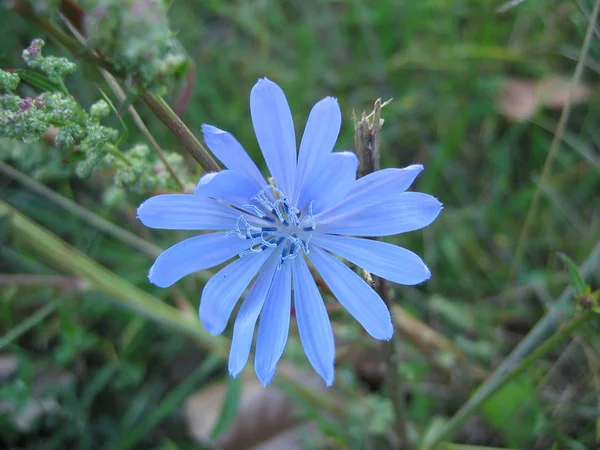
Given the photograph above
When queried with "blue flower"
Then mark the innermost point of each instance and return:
(308, 212)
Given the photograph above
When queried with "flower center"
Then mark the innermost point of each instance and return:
(282, 225)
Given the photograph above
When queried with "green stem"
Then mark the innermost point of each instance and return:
(112, 82)
(28, 324)
(129, 296)
(488, 389)
(100, 279)
(171, 120)
(93, 219)
(519, 354)
(396, 393)
(120, 155)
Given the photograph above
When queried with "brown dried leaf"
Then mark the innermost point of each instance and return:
(519, 99)
(516, 100)
(263, 413)
(553, 92)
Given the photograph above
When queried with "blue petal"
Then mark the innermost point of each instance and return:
(245, 322)
(229, 186)
(274, 128)
(354, 294)
(186, 212)
(225, 288)
(378, 187)
(329, 182)
(273, 327)
(230, 152)
(313, 322)
(384, 260)
(407, 212)
(194, 254)
(321, 133)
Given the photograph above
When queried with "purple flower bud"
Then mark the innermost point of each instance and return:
(39, 103)
(587, 302)
(25, 104)
(35, 48)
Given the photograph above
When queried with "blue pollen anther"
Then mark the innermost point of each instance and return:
(291, 228)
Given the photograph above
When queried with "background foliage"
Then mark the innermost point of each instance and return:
(477, 97)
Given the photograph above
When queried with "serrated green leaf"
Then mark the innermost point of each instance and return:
(574, 275)
(230, 407)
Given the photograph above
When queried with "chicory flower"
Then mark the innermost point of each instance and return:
(313, 208)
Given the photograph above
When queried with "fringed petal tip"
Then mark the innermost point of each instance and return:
(416, 167)
(152, 277)
(234, 372)
(210, 129)
(212, 328)
(140, 211)
(427, 272)
(265, 379)
(328, 381)
(385, 333)
(264, 81)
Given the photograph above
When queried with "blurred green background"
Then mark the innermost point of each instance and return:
(477, 95)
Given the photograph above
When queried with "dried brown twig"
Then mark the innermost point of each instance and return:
(367, 139)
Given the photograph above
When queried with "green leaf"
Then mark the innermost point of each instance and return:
(131, 436)
(38, 80)
(458, 314)
(131, 96)
(97, 383)
(230, 407)
(576, 278)
(515, 412)
(73, 157)
(125, 133)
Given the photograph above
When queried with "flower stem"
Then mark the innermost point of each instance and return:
(367, 138)
(394, 380)
(167, 116)
(112, 82)
(28, 324)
